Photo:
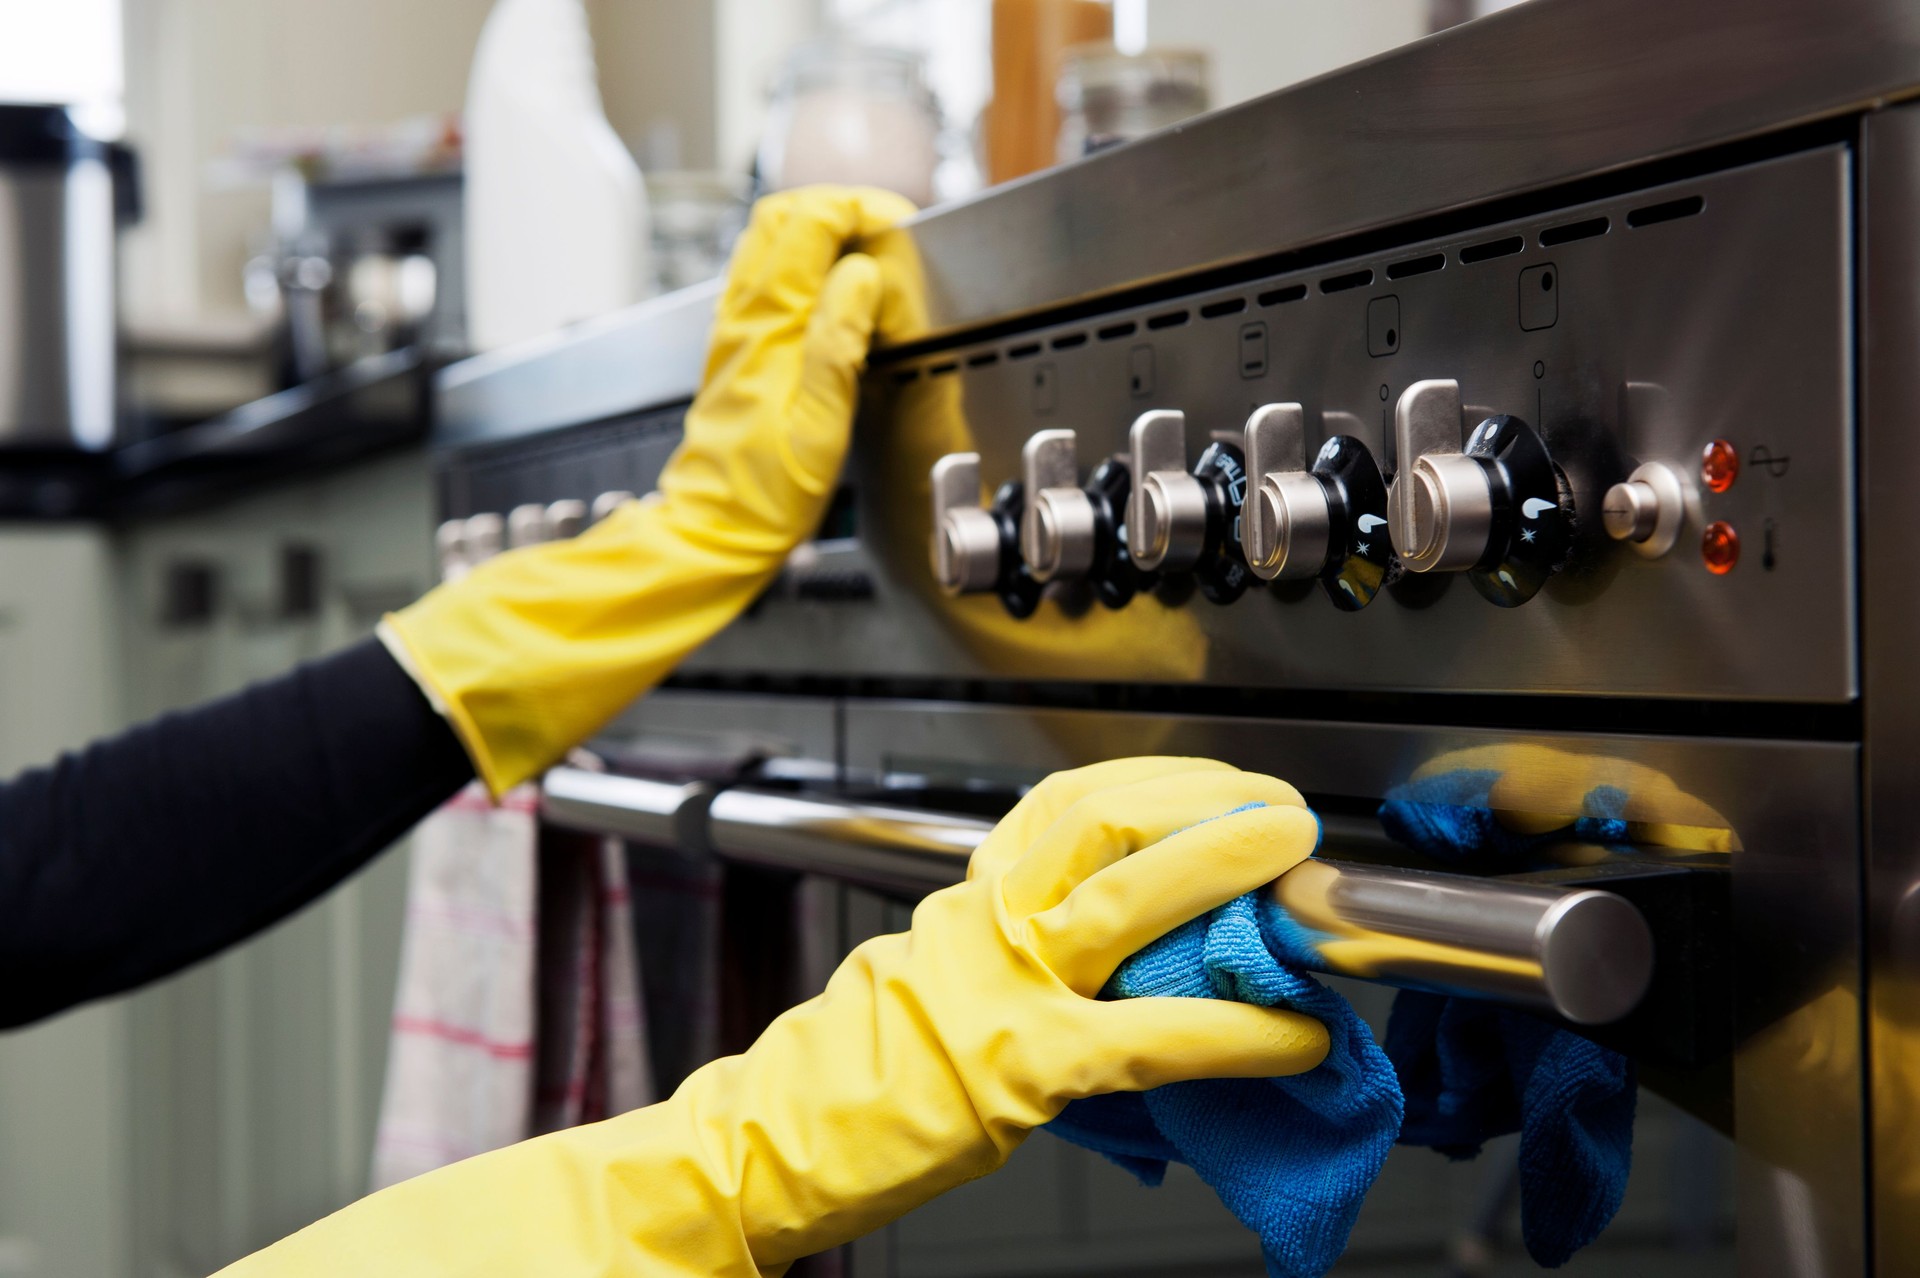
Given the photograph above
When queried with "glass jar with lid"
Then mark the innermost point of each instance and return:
(1107, 97)
(852, 113)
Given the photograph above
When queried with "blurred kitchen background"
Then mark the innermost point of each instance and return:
(237, 238)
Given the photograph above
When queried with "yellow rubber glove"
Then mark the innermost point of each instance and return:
(536, 649)
(928, 1058)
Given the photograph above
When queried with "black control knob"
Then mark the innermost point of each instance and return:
(1532, 511)
(1115, 578)
(1222, 572)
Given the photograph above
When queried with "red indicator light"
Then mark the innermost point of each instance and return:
(1719, 466)
(1720, 548)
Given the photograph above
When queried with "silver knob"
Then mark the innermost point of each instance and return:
(1440, 507)
(1647, 510)
(1057, 529)
(485, 531)
(608, 502)
(966, 539)
(450, 548)
(527, 524)
(566, 517)
(1167, 511)
(1286, 528)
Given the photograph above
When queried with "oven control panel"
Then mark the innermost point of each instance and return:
(1603, 450)
(1606, 449)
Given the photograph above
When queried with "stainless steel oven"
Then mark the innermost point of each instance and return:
(1534, 399)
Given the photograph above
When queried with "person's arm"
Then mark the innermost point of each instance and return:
(928, 1058)
(128, 860)
(145, 853)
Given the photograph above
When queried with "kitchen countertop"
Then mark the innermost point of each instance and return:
(376, 405)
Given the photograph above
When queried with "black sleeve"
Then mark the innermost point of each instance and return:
(144, 853)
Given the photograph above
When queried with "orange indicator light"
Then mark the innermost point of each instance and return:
(1720, 548)
(1719, 466)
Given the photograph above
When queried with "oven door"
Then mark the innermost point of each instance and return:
(1746, 872)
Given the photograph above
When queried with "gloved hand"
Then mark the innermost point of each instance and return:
(928, 1058)
(535, 649)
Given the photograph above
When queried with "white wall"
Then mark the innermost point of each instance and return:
(1257, 46)
(201, 71)
(751, 37)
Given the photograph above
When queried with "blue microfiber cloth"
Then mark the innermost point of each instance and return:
(1473, 1070)
(1291, 1157)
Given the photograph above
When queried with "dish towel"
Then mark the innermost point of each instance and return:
(1472, 1070)
(518, 1007)
(590, 1033)
(460, 1059)
(1291, 1157)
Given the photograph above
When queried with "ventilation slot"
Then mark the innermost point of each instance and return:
(1671, 211)
(1416, 266)
(1113, 332)
(1291, 293)
(1172, 319)
(1491, 248)
(982, 360)
(1567, 232)
(1228, 306)
(906, 375)
(941, 370)
(1069, 341)
(1025, 350)
(1341, 283)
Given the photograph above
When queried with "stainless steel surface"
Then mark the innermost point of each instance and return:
(643, 356)
(1057, 528)
(1533, 96)
(1632, 509)
(1890, 458)
(1790, 808)
(1584, 954)
(1286, 527)
(1167, 509)
(601, 803)
(877, 845)
(965, 548)
(57, 316)
(1647, 509)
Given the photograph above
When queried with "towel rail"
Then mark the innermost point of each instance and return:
(1582, 953)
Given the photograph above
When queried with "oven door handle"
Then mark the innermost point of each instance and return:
(1581, 953)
